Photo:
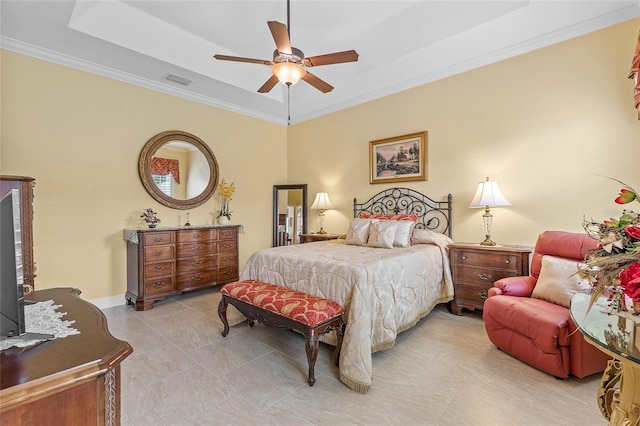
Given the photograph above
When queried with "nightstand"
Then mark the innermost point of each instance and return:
(309, 238)
(475, 268)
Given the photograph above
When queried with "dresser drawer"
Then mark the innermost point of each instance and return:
(154, 287)
(227, 259)
(195, 279)
(157, 238)
(472, 294)
(487, 260)
(227, 246)
(194, 249)
(158, 269)
(158, 253)
(229, 273)
(227, 233)
(195, 264)
(195, 235)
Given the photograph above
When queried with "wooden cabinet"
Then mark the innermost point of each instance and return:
(309, 238)
(73, 380)
(165, 261)
(475, 268)
(25, 187)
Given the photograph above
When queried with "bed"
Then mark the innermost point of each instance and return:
(384, 291)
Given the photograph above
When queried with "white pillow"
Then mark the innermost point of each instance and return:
(358, 233)
(427, 236)
(404, 229)
(382, 233)
(558, 281)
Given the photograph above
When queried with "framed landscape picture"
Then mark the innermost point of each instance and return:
(399, 159)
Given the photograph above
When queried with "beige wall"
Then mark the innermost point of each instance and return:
(543, 124)
(79, 135)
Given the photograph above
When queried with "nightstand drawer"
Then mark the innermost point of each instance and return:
(472, 294)
(481, 276)
(494, 260)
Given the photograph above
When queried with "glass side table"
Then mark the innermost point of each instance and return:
(617, 335)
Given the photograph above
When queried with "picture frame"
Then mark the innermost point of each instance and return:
(384, 165)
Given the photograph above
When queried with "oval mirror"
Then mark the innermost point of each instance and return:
(289, 214)
(178, 169)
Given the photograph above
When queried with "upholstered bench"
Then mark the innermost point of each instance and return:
(281, 307)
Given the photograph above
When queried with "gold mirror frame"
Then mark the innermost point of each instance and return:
(144, 169)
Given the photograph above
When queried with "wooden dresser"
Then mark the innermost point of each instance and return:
(165, 261)
(74, 380)
(475, 268)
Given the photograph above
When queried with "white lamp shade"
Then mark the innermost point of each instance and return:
(288, 73)
(321, 202)
(488, 195)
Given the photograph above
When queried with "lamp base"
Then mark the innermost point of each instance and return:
(487, 241)
(321, 231)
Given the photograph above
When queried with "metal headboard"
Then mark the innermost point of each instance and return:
(433, 215)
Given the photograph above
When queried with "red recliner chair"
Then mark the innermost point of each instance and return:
(535, 331)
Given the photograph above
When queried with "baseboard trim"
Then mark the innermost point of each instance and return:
(109, 302)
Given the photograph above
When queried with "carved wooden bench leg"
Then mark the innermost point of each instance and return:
(222, 313)
(311, 346)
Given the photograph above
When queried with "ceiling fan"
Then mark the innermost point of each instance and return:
(289, 64)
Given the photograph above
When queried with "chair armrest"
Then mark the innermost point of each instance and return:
(514, 286)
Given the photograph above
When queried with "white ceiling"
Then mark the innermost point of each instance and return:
(402, 44)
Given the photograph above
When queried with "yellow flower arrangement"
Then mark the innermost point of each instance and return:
(226, 192)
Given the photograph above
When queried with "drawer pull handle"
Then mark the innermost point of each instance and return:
(464, 257)
(507, 261)
(196, 263)
(227, 233)
(158, 284)
(484, 277)
(196, 248)
(196, 236)
(196, 278)
(228, 272)
(228, 258)
(158, 268)
(158, 253)
(228, 245)
(157, 239)
(483, 295)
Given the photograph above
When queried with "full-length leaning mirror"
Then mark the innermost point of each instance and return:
(178, 169)
(289, 214)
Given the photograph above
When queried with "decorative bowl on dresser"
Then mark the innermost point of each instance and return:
(166, 261)
(475, 267)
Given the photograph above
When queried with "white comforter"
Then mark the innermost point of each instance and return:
(383, 291)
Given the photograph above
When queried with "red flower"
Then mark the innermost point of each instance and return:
(633, 231)
(630, 280)
(626, 196)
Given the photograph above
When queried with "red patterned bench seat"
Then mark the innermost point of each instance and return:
(280, 307)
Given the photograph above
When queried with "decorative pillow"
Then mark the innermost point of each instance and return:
(404, 228)
(558, 281)
(413, 217)
(427, 236)
(358, 233)
(382, 233)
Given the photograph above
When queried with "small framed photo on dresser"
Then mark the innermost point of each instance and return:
(398, 159)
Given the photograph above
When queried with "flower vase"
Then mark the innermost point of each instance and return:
(223, 220)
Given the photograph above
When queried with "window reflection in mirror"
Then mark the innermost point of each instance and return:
(180, 170)
(289, 214)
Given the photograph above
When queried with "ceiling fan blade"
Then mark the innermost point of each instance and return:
(280, 36)
(331, 58)
(239, 59)
(319, 84)
(268, 85)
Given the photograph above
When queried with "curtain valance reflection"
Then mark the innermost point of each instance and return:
(165, 166)
(635, 75)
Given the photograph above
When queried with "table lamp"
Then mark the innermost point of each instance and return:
(322, 203)
(488, 195)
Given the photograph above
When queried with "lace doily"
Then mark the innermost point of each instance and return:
(42, 317)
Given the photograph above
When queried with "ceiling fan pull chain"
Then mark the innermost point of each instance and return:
(288, 105)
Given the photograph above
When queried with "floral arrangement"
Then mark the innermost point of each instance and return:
(150, 217)
(226, 191)
(613, 268)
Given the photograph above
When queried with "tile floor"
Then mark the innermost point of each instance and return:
(443, 371)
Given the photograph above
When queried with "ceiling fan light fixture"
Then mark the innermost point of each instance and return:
(288, 73)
